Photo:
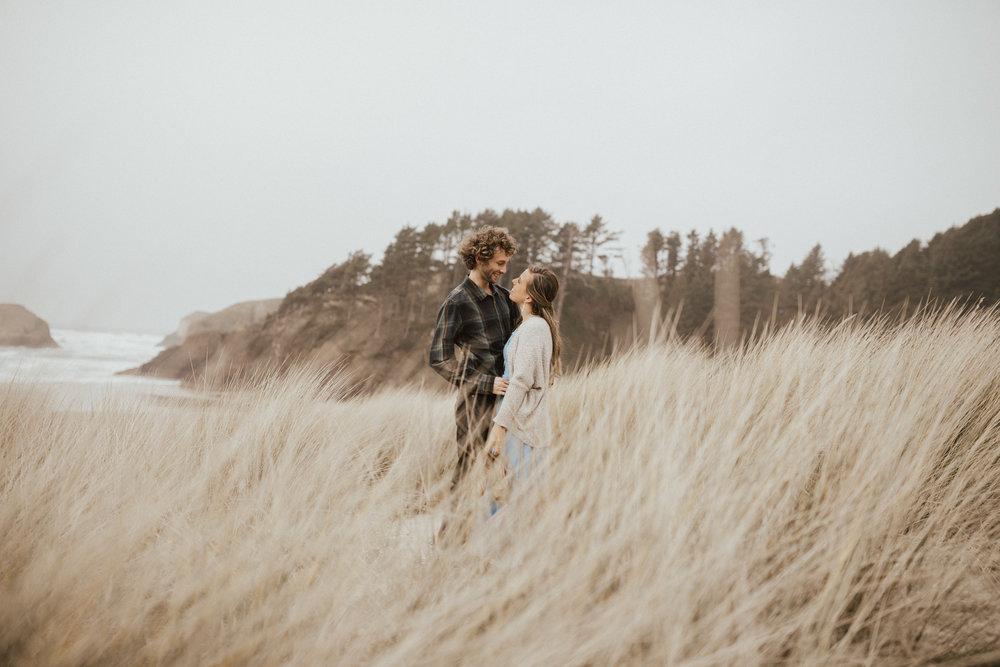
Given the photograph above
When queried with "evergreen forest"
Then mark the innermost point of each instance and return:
(679, 272)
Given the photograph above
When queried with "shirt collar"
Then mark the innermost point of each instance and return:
(475, 290)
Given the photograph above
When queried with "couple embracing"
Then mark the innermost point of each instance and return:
(501, 349)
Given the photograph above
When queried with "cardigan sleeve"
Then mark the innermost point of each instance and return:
(528, 361)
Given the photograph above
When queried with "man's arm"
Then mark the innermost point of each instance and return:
(442, 355)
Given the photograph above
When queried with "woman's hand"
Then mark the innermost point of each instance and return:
(494, 442)
(500, 386)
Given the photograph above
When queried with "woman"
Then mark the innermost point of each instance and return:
(521, 426)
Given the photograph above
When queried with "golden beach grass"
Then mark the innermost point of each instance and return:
(818, 498)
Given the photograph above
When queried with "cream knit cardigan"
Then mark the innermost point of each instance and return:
(525, 410)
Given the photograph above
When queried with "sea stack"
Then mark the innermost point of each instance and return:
(20, 327)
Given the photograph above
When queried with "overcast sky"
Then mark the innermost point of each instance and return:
(161, 158)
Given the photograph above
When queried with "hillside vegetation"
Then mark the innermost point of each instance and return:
(824, 496)
(374, 321)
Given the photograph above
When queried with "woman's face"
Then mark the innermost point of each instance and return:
(519, 292)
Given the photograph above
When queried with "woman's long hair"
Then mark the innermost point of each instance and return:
(543, 289)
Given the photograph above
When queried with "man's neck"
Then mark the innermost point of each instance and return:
(481, 281)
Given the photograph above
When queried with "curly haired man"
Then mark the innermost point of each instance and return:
(474, 322)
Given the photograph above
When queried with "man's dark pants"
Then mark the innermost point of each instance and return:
(473, 419)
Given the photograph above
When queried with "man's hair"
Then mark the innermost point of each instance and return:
(482, 243)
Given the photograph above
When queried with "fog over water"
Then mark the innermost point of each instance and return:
(164, 158)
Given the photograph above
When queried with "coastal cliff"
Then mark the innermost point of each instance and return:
(236, 316)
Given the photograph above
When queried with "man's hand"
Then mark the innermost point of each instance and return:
(500, 386)
(494, 442)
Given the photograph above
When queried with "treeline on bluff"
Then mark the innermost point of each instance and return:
(961, 263)
(374, 321)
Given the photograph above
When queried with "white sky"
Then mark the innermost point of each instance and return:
(160, 158)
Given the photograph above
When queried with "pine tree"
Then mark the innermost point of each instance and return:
(803, 286)
(595, 236)
(726, 298)
(652, 255)
(757, 287)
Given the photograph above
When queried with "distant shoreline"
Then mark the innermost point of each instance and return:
(84, 369)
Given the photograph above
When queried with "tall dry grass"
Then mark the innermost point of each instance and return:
(819, 498)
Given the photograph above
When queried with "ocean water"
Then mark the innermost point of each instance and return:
(82, 371)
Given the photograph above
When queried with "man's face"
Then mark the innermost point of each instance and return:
(496, 267)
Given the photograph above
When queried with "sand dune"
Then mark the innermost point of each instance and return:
(819, 498)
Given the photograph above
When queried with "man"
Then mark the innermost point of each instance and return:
(474, 323)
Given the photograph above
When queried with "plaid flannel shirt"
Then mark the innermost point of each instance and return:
(478, 324)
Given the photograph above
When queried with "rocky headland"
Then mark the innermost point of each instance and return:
(178, 336)
(237, 316)
(19, 327)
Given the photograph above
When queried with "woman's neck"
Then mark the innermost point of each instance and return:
(526, 311)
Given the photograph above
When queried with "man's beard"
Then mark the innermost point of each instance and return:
(487, 275)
